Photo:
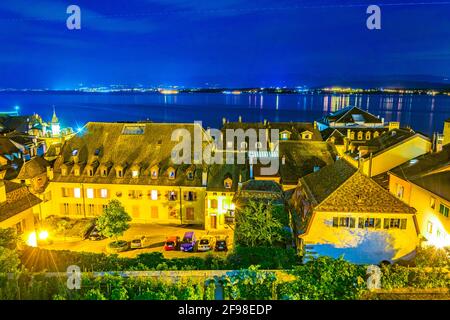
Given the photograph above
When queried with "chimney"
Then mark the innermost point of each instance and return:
(251, 167)
(283, 160)
(2, 192)
(265, 122)
(315, 124)
(204, 178)
(240, 119)
(224, 120)
(50, 174)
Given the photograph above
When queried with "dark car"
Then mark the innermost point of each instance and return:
(95, 235)
(221, 244)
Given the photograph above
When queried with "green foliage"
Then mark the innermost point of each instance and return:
(9, 260)
(9, 238)
(249, 284)
(114, 221)
(256, 225)
(395, 277)
(432, 257)
(265, 257)
(325, 279)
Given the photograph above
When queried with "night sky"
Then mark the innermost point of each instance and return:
(220, 42)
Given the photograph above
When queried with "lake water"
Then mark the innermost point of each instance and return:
(423, 113)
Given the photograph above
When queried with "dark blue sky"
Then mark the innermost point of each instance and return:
(223, 42)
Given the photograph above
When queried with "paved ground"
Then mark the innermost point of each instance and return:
(157, 234)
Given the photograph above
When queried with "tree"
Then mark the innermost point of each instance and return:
(9, 260)
(257, 226)
(114, 220)
(9, 238)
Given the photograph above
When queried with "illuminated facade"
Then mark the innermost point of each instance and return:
(342, 212)
(424, 183)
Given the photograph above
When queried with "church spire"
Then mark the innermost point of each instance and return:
(54, 118)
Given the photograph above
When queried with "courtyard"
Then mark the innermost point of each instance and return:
(156, 233)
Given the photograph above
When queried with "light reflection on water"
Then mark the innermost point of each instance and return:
(423, 113)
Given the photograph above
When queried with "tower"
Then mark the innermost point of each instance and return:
(446, 132)
(56, 129)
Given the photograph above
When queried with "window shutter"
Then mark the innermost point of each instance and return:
(378, 223)
(352, 222)
(361, 223)
(403, 224)
(335, 221)
(386, 223)
(195, 196)
(184, 195)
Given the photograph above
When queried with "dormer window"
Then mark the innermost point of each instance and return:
(227, 183)
(119, 172)
(190, 175)
(75, 152)
(63, 170)
(135, 173)
(171, 173)
(154, 172)
(97, 152)
(76, 171)
(285, 135)
(104, 172)
(90, 172)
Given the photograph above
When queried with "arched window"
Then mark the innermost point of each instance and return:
(368, 135)
(360, 135)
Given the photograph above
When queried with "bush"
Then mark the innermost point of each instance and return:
(265, 257)
(325, 279)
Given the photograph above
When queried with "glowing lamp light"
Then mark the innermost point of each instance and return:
(43, 235)
(32, 239)
(16, 107)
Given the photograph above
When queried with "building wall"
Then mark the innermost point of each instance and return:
(446, 133)
(360, 245)
(141, 207)
(25, 219)
(433, 226)
(218, 205)
(397, 155)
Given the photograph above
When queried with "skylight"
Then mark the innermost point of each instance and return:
(358, 118)
(133, 130)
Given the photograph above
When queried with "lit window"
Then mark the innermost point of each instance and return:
(135, 173)
(77, 192)
(90, 193)
(429, 227)
(400, 191)
(154, 195)
(104, 193)
(154, 174)
(432, 203)
(172, 174)
(190, 175)
(75, 152)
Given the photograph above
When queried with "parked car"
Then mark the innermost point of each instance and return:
(188, 243)
(140, 242)
(95, 235)
(221, 243)
(206, 243)
(172, 243)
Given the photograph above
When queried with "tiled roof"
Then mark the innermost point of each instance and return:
(7, 147)
(217, 173)
(345, 115)
(127, 144)
(18, 199)
(430, 171)
(322, 183)
(341, 188)
(260, 190)
(387, 140)
(359, 193)
(302, 157)
(295, 128)
(33, 168)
